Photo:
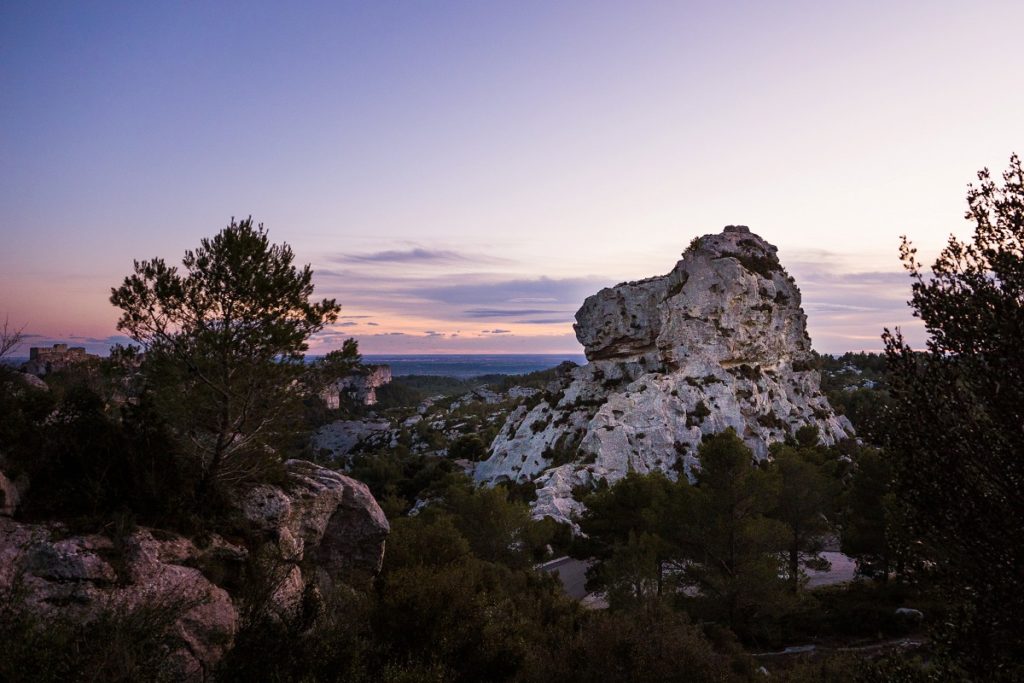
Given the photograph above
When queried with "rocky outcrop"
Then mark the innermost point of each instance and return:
(319, 530)
(82, 576)
(32, 382)
(339, 438)
(323, 519)
(718, 342)
(361, 385)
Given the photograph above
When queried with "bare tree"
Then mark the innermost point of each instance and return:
(10, 338)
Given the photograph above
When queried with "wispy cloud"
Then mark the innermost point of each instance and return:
(847, 309)
(452, 298)
(559, 320)
(504, 313)
(542, 290)
(415, 255)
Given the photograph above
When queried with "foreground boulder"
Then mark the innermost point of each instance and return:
(720, 341)
(319, 530)
(81, 576)
(323, 520)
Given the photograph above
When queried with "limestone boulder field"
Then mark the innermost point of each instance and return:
(318, 530)
(720, 341)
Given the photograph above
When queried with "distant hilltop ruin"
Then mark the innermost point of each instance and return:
(42, 360)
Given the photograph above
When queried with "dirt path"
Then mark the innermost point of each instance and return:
(905, 643)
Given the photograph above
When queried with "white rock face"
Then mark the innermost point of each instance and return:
(325, 518)
(720, 341)
(361, 385)
(341, 437)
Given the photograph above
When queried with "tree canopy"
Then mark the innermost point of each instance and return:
(224, 339)
(958, 416)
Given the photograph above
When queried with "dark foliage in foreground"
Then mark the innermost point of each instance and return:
(224, 341)
(959, 408)
(448, 608)
(119, 644)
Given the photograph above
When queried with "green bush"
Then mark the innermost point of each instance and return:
(468, 447)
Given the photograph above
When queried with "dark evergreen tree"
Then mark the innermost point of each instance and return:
(869, 529)
(804, 497)
(735, 547)
(958, 436)
(224, 342)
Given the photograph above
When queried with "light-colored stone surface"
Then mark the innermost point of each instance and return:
(361, 385)
(342, 437)
(718, 342)
(32, 381)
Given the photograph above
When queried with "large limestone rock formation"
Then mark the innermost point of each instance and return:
(718, 342)
(321, 529)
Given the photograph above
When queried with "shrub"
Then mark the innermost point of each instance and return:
(117, 644)
(468, 447)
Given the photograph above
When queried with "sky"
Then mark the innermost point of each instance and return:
(461, 175)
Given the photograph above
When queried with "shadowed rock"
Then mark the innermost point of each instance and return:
(319, 530)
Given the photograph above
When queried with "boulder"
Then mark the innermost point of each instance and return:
(720, 341)
(322, 519)
(32, 381)
(319, 530)
(909, 614)
(342, 437)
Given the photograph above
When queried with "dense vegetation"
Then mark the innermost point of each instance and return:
(959, 407)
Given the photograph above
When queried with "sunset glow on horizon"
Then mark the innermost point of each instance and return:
(462, 175)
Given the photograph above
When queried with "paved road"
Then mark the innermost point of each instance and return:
(842, 571)
(573, 573)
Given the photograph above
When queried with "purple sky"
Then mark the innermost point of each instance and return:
(462, 175)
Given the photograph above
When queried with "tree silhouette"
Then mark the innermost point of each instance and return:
(224, 343)
(958, 413)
